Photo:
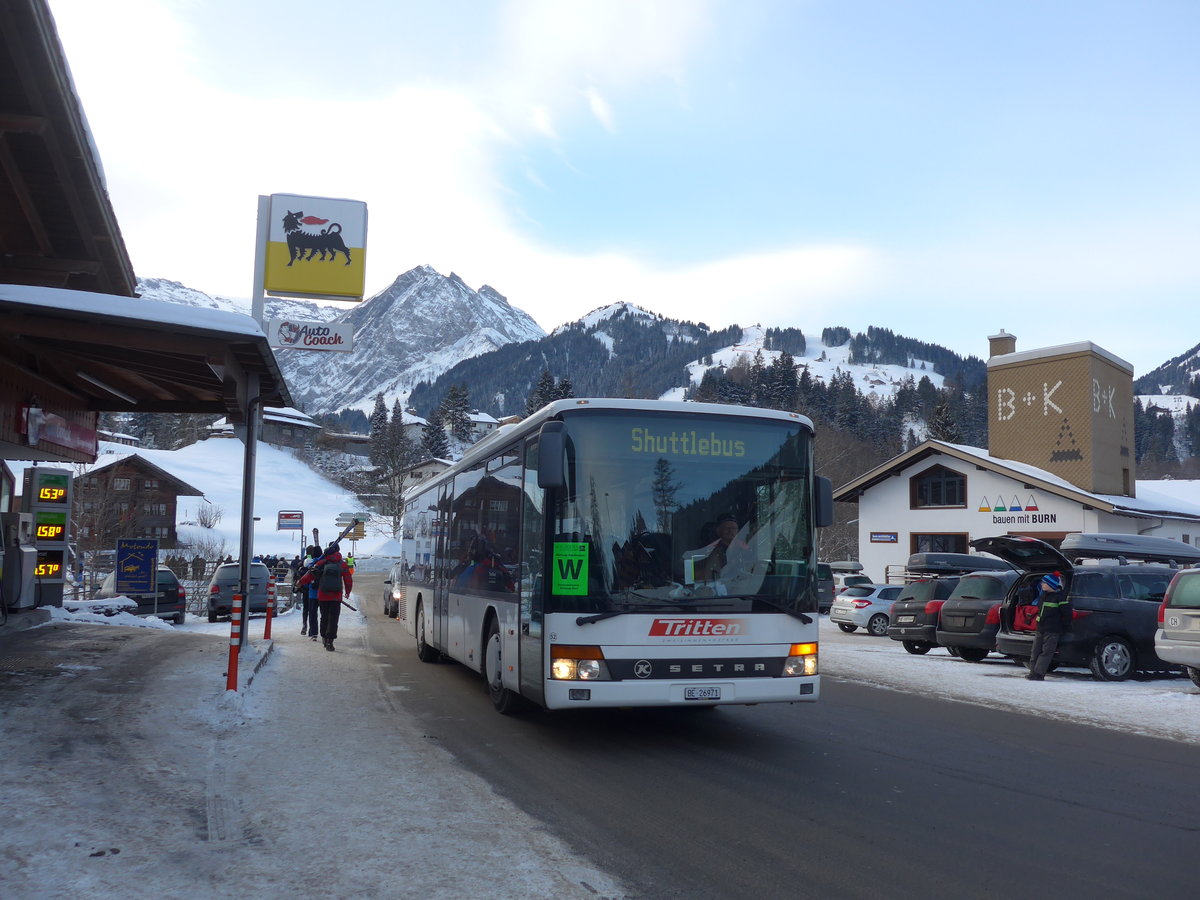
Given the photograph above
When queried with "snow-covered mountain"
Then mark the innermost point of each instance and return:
(417, 328)
(274, 307)
(421, 325)
(1175, 376)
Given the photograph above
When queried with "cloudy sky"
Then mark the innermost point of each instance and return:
(941, 168)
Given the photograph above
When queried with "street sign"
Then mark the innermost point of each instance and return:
(290, 520)
(137, 560)
(294, 334)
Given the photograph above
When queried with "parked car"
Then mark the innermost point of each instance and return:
(225, 583)
(393, 593)
(970, 617)
(169, 601)
(1177, 639)
(866, 606)
(1115, 608)
(824, 587)
(843, 580)
(915, 614)
(917, 611)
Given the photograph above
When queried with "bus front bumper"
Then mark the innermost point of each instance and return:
(581, 694)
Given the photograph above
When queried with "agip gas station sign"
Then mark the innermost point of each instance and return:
(316, 247)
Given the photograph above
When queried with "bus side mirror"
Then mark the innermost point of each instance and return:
(823, 497)
(552, 447)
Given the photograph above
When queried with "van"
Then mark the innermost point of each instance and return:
(1115, 605)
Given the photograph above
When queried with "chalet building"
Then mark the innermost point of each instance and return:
(127, 497)
(345, 442)
(116, 437)
(482, 424)
(423, 471)
(1059, 460)
(280, 428)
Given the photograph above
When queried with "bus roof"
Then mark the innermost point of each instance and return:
(554, 409)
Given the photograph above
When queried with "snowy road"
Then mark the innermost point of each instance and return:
(131, 772)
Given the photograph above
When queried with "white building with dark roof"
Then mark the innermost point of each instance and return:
(1060, 460)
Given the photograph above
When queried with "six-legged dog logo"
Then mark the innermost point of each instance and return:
(328, 242)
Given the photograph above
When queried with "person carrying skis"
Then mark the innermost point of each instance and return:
(308, 592)
(330, 574)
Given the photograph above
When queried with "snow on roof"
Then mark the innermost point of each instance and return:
(1004, 359)
(283, 414)
(134, 309)
(1167, 499)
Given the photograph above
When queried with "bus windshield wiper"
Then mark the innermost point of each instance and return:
(795, 614)
(589, 620)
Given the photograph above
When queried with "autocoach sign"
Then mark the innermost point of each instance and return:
(294, 334)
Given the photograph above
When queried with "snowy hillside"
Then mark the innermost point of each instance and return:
(822, 362)
(282, 483)
(1176, 404)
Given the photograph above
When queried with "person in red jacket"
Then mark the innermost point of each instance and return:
(330, 574)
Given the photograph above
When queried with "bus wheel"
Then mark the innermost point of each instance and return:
(503, 699)
(425, 653)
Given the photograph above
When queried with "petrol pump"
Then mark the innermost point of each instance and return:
(40, 566)
(20, 559)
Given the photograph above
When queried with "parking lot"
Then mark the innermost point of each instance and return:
(1159, 706)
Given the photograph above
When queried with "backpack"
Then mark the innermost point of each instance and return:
(329, 581)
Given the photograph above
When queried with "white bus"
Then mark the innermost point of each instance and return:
(611, 552)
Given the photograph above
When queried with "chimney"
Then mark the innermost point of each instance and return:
(999, 344)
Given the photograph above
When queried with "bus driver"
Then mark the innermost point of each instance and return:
(728, 555)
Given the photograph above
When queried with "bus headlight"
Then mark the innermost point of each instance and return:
(577, 663)
(802, 660)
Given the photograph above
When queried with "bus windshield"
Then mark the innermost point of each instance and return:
(683, 512)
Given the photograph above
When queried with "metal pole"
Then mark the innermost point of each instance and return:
(257, 296)
(270, 607)
(249, 461)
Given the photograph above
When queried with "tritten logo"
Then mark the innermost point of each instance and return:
(696, 627)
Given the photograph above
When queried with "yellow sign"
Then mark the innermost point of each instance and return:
(316, 247)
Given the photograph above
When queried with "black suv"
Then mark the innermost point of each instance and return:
(1115, 609)
(916, 611)
(971, 614)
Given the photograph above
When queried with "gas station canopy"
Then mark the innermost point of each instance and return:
(74, 341)
(78, 352)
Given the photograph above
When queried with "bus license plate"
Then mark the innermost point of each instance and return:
(702, 693)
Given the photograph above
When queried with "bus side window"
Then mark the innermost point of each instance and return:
(532, 544)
